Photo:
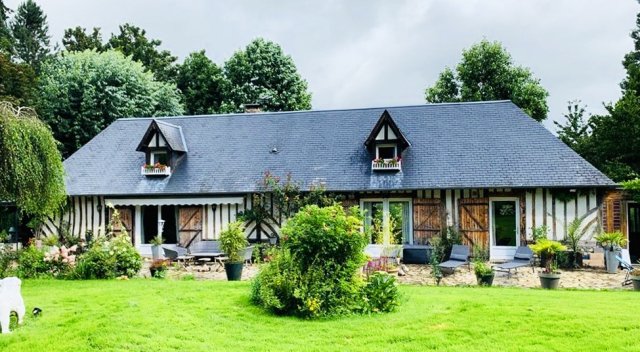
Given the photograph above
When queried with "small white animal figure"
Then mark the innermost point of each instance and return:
(10, 301)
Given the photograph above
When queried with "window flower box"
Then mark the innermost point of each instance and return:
(380, 164)
(156, 169)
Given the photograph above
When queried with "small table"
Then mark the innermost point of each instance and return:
(204, 257)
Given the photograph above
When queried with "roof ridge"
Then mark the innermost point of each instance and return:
(429, 105)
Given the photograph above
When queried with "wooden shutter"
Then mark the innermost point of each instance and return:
(613, 214)
(348, 203)
(474, 221)
(126, 221)
(189, 225)
(428, 219)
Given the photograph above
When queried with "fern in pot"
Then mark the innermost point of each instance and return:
(233, 243)
(612, 243)
(548, 249)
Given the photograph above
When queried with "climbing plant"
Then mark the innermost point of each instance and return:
(31, 172)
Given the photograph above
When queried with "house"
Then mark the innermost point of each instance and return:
(485, 168)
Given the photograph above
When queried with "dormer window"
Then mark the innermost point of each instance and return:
(386, 143)
(163, 145)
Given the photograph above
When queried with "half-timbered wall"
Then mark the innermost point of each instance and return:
(81, 214)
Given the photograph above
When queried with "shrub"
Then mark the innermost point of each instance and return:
(315, 273)
(128, 260)
(106, 259)
(481, 268)
(31, 263)
(61, 260)
(96, 262)
(7, 257)
(380, 294)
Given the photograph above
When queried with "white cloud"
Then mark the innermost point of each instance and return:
(375, 53)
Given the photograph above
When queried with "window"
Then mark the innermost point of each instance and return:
(159, 157)
(398, 217)
(386, 151)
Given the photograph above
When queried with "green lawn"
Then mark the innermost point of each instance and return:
(157, 315)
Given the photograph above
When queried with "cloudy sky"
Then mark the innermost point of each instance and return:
(379, 53)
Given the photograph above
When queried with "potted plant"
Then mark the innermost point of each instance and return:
(156, 248)
(612, 243)
(547, 249)
(574, 235)
(484, 273)
(233, 244)
(635, 279)
(158, 268)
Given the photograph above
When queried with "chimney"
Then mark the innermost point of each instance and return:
(252, 108)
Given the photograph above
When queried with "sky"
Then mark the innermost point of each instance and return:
(366, 53)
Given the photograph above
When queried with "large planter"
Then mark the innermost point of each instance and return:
(549, 281)
(156, 252)
(611, 261)
(485, 280)
(636, 283)
(569, 256)
(234, 271)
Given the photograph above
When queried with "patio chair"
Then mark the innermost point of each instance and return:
(628, 268)
(459, 256)
(178, 255)
(522, 258)
(248, 255)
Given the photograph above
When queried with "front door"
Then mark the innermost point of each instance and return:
(634, 231)
(504, 228)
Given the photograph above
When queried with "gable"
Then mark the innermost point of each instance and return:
(386, 131)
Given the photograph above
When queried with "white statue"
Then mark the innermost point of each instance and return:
(10, 301)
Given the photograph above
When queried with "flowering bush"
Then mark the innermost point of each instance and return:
(60, 259)
(107, 259)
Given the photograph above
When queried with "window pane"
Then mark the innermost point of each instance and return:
(399, 218)
(160, 157)
(504, 223)
(373, 221)
(386, 152)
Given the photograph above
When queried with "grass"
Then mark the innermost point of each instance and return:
(165, 315)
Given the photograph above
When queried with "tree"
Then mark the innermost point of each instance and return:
(32, 173)
(262, 73)
(614, 146)
(31, 34)
(6, 40)
(132, 41)
(17, 82)
(487, 72)
(83, 92)
(576, 131)
(202, 84)
(77, 39)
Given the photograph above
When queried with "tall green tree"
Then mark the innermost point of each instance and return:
(17, 82)
(487, 72)
(202, 84)
(81, 93)
(263, 73)
(32, 174)
(77, 39)
(6, 39)
(575, 132)
(614, 146)
(132, 41)
(31, 34)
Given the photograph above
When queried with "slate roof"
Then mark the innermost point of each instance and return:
(457, 145)
(173, 135)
